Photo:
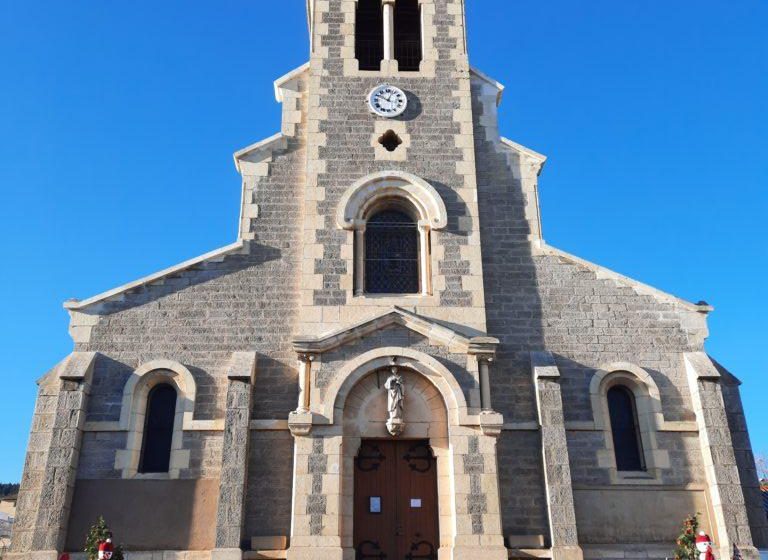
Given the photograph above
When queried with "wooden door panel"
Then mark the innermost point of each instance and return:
(417, 501)
(404, 475)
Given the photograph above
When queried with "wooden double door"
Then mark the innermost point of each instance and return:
(396, 509)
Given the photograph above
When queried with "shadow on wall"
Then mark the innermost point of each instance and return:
(514, 316)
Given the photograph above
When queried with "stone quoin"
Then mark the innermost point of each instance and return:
(389, 362)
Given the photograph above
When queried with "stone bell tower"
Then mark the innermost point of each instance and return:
(417, 46)
(389, 129)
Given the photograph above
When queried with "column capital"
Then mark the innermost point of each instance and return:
(306, 357)
(483, 348)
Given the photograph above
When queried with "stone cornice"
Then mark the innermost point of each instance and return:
(397, 316)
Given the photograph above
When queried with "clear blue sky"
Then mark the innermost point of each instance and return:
(118, 122)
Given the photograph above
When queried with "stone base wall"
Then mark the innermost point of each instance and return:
(147, 514)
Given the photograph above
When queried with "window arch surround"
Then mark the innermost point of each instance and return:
(392, 191)
(649, 417)
(133, 414)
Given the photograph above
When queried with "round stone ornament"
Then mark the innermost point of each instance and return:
(387, 101)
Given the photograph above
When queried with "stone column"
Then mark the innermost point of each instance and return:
(50, 469)
(389, 29)
(234, 462)
(305, 382)
(484, 364)
(725, 491)
(425, 258)
(554, 451)
(360, 260)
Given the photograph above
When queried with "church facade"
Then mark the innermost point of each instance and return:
(389, 362)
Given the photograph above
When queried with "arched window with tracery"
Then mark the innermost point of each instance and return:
(158, 429)
(627, 441)
(391, 253)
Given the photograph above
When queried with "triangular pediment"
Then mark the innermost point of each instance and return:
(434, 330)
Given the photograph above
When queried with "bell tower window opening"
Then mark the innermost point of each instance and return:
(625, 428)
(408, 35)
(158, 430)
(391, 253)
(369, 34)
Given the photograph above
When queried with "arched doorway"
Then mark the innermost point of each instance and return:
(396, 488)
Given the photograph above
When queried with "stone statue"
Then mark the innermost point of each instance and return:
(395, 402)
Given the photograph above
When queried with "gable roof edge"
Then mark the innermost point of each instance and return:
(640, 287)
(74, 304)
(487, 79)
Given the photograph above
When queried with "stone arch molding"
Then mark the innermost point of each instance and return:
(150, 374)
(133, 411)
(649, 413)
(372, 189)
(357, 369)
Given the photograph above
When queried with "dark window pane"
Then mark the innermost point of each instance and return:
(158, 430)
(391, 254)
(626, 434)
(408, 35)
(369, 34)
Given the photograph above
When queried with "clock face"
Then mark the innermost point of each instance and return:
(387, 101)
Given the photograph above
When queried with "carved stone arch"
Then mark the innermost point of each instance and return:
(635, 378)
(371, 190)
(435, 372)
(151, 373)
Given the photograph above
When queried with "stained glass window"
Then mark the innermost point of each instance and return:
(391, 254)
(158, 430)
(626, 432)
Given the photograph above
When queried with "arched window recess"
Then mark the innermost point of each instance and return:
(627, 408)
(392, 215)
(158, 403)
(388, 30)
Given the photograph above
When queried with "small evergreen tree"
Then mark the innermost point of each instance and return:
(686, 542)
(100, 533)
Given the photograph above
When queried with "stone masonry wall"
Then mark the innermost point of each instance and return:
(745, 459)
(438, 124)
(536, 301)
(246, 301)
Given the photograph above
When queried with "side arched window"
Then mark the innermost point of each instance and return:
(391, 254)
(408, 35)
(627, 442)
(369, 34)
(158, 430)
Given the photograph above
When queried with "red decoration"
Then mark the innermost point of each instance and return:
(106, 550)
(704, 546)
